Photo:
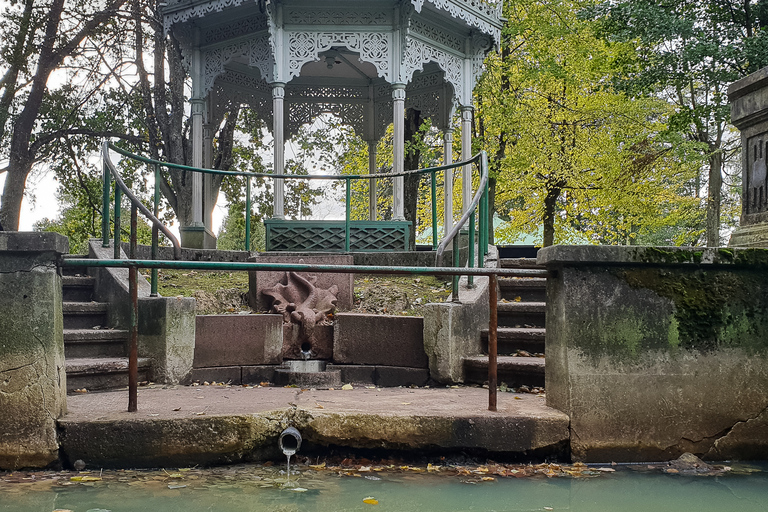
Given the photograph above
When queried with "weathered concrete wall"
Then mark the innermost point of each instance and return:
(452, 331)
(235, 340)
(167, 336)
(653, 352)
(379, 340)
(32, 374)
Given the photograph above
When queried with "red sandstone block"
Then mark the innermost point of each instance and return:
(229, 340)
(379, 340)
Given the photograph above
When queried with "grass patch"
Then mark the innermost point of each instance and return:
(222, 292)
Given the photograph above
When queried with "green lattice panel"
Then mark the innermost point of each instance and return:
(328, 236)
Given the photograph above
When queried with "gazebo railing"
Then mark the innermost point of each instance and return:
(468, 219)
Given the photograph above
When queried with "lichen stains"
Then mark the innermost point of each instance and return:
(712, 309)
(668, 256)
(751, 257)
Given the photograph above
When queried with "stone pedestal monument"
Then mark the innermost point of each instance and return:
(749, 113)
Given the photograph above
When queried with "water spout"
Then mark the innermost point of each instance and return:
(289, 443)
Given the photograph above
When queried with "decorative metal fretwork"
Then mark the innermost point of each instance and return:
(244, 90)
(234, 29)
(437, 34)
(418, 53)
(328, 236)
(476, 13)
(373, 47)
(299, 113)
(257, 50)
(333, 16)
(197, 11)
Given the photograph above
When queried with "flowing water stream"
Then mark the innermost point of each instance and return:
(251, 488)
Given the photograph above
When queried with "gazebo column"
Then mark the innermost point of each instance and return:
(466, 154)
(398, 156)
(372, 181)
(278, 132)
(448, 181)
(198, 105)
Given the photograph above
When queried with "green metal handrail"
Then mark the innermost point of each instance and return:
(120, 188)
(476, 159)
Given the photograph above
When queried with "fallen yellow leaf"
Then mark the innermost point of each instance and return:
(347, 387)
(371, 500)
(85, 479)
(317, 466)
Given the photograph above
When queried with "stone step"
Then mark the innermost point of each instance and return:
(94, 343)
(520, 263)
(99, 373)
(529, 289)
(511, 339)
(512, 371)
(77, 288)
(84, 315)
(521, 314)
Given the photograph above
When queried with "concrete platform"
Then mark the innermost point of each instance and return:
(208, 425)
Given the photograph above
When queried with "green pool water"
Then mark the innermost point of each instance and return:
(256, 489)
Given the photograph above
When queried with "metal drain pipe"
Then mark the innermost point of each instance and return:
(290, 441)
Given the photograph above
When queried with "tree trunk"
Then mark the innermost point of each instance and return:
(713, 199)
(550, 204)
(411, 185)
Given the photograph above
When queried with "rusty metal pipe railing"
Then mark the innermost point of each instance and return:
(493, 321)
(133, 265)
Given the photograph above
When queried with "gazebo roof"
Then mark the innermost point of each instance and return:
(340, 56)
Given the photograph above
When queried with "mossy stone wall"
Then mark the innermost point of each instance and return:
(653, 352)
(32, 373)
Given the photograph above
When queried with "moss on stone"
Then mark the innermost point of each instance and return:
(751, 257)
(667, 256)
(712, 309)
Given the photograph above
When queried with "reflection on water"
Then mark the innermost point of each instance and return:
(258, 488)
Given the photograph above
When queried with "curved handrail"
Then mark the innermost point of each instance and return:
(135, 200)
(182, 167)
(475, 201)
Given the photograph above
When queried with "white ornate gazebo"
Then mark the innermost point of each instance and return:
(366, 61)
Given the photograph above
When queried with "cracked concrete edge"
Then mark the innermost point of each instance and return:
(208, 440)
(745, 439)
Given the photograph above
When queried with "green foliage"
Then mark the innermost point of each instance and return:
(573, 153)
(688, 52)
(231, 236)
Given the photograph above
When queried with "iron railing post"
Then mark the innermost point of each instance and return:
(118, 200)
(155, 231)
(105, 199)
(471, 249)
(433, 176)
(492, 342)
(456, 263)
(133, 355)
(247, 213)
(346, 216)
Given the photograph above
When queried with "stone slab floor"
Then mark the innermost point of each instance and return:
(181, 425)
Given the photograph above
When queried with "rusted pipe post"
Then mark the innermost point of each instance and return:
(133, 355)
(493, 300)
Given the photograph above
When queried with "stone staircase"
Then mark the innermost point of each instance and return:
(520, 334)
(95, 355)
